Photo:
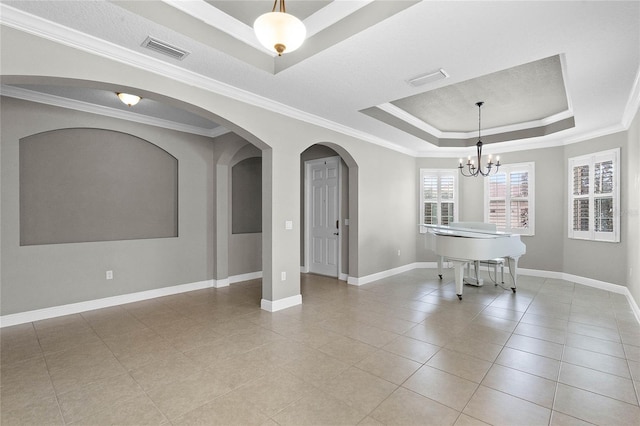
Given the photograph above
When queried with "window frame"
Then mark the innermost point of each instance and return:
(507, 169)
(590, 160)
(439, 173)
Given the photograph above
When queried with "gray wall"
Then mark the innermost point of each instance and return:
(598, 260)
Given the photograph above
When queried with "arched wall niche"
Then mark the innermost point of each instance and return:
(349, 210)
(133, 191)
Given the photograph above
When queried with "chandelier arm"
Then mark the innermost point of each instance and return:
(283, 8)
(275, 2)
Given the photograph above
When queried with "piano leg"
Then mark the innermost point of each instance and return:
(513, 270)
(458, 269)
(440, 266)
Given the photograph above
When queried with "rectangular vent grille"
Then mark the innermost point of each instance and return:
(428, 78)
(165, 48)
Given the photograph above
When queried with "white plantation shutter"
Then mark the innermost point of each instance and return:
(509, 198)
(594, 196)
(438, 196)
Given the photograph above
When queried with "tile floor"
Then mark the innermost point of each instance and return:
(402, 350)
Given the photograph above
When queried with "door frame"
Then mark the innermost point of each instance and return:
(307, 212)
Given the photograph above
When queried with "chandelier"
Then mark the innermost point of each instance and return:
(471, 169)
(279, 31)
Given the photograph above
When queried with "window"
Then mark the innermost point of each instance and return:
(594, 196)
(438, 197)
(509, 198)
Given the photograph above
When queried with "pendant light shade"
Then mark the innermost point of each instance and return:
(279, 31)
(129, 100)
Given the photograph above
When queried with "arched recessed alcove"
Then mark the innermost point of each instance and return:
(137, 263)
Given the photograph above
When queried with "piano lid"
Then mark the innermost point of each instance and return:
(464, 232)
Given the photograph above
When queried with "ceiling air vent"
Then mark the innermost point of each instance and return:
(165, 48)
(428, 78)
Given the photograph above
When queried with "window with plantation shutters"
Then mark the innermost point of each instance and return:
(438, 196)
(509, 198)
(594, 196)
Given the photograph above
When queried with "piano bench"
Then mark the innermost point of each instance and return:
(495, 263)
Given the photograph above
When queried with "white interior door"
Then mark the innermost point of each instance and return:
(323, 216)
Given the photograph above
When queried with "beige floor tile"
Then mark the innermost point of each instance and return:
(594, 408)
(595, 331)
(75, 377)
(598, 382)
(594, 344)
(405, 407)
(371, 335)
(498, 408)
(223, 411)
(17, 350)
(500, 313)
(370, 421)
(163, 371)
(40, 411)
(273, 392)
(86, 355)
(413, 349)
(314, 336)
(459, 364)
(316, 367)
(597, 361)
(476, 348)
(545, 321)
(486, 334)
(491, 321)
(347, 350)
(465, 420)
(543, 333)
(242, 369)
(560, 419)
(445, 388)
(139, 410)
(391, 367)
(359, 389)
(536, 346)
(529, 363)
(520, 384)
(97, 396)
(435, 335)
(319, 408)
(180, 397)
(634, 368)
(632, 352)
(24, 383)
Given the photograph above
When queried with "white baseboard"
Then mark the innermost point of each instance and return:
(74, 308)
(388, 273)
(343, 277)
(89, 305)
(245, 277)
(280, 304)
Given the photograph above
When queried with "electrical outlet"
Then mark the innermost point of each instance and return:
(283, 276)
(109, 275)
(398, 252)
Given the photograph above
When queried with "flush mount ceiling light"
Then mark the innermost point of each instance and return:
(472, 169)
(279, 31)
(127, 99)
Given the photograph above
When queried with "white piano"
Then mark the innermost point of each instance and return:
(466, 242)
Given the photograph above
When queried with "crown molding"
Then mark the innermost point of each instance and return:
(57, 33)
(58, 101)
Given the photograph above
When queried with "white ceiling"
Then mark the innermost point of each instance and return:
(361, 54)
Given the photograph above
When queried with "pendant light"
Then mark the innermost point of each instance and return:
(279, 31)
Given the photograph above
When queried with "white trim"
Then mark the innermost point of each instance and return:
(224, 282)
(280, 304)
(343, 277)
(245, 277)
(74, 308)
(530, 168)
(382, 274)
(307, 212)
